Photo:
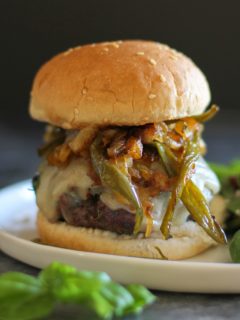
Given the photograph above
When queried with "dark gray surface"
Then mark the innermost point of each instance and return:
(18, 161)
(169, 306)
(32, 32)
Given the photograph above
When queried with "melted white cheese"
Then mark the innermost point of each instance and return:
(54, 181)
(203, 177)
(206, 181)
(111, 202)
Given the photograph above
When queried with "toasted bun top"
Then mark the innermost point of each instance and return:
(118, 83)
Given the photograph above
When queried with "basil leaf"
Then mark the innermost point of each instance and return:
(101, 306)
(227, 189)
(36, 182)
(23, 298)
(141, 297)
(67, 284)
(234, 205)
(119, 297)
(225, 171)
(229, 176)
(234, 247)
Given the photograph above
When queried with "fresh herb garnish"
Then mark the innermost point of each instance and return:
(229, 176)
(234, 247)
(225, 171)
(35, 182)
(25, 297)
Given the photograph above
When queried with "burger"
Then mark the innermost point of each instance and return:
(122, 169)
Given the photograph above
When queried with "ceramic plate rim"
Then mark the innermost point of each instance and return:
(209, 268)
(108, 256)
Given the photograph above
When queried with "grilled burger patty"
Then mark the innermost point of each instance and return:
(93, 213)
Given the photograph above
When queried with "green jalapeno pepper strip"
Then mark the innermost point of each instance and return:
(48, 147)
(184, 175)
(193, 200)
(165, 160)
(198, 207)
(112, 178)
(208, 115)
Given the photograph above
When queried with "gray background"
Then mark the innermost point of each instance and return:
(33, 31)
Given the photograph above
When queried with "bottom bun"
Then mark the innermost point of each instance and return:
(187, 240)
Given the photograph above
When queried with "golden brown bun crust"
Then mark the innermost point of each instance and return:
(118, 83)
(188, 240)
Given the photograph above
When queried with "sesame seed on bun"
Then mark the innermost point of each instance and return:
(118, 83)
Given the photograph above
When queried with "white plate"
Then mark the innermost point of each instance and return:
(210, 272)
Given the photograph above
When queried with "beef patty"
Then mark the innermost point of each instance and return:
(93, 213)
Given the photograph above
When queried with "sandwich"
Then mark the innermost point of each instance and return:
(122, 169)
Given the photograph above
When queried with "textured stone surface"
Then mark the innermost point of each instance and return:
(169, 306)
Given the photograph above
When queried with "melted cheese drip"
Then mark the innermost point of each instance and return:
(203, 177)
(54, 181)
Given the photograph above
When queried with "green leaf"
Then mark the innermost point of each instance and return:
(22, 298)
(119, 297)
(225, 171)
(141, 296)
(232, 224)
(229, 176)
(234, 247)
(234, 205)
(67, 284)
(36, 182)
(102, 307)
